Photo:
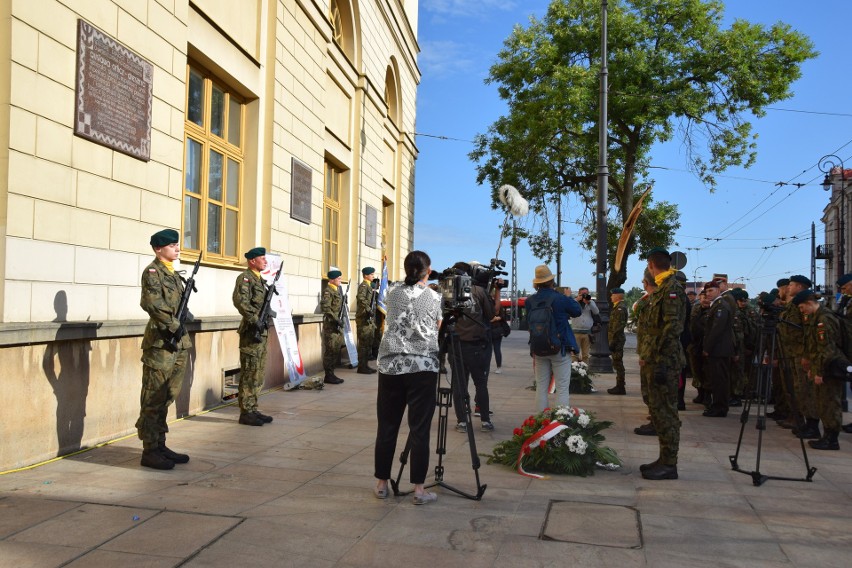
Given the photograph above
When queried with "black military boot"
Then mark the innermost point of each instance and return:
(155, 459)
(808, 430)
(266, 418)
(169, 454)
(646, 466)
(617, 389)
(660, 471)
(251, 419)
(332, 379)
(365, 370)
(827, 442)
(700, 398)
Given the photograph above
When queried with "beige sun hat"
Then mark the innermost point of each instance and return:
(542, 274)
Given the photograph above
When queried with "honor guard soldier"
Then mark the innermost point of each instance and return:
(165, 350)
(365, 313)
(666, 315)
(248, 297)
(332, 327)
(643, 344)
(616, 338)
(823, 343)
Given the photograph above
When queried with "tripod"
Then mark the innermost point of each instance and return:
(767, 348)
(450, 347)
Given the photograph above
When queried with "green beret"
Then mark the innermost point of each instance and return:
(801, 280)
(255, 252)
(782, 282)
(658, 250)
(367, 270)
(332, 274)
(845, 279)
(617, 291)
(803, 296)
(164, 237)
(739, 294)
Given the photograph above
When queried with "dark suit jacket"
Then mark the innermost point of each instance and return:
(719, 330)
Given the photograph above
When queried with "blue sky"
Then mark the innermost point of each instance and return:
(765, 228)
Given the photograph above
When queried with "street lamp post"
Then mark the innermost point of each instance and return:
(695, 277)
(827, 165)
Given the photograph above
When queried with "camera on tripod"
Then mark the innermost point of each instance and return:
(455, 287)
(489, 276)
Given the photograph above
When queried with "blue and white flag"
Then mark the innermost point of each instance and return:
(383, 288)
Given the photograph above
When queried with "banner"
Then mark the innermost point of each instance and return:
(383, 288)
(284, 327)
(348, 336)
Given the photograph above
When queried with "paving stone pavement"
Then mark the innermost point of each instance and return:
(298, 492)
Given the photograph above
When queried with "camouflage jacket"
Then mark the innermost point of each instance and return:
(822, 340)
(697, 321)
(617, 321)
(791, 337)
(666, 315)
(639, 315)
(161, 294)
(332, 301)
(363, 299)
(248, 296)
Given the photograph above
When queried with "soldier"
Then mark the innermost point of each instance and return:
(804, 407)
(249, 294)
(844, 310)
(780, 393)
(640, 314)
(822, 345)
(365, 313)
(695, 351)
(163, 368)
(718, 350)
(332, 327)
(616, 338)
(751, 332)
(666, 313)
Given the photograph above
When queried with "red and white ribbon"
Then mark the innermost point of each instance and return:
(542, 435)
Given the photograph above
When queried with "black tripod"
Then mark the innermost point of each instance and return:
(451, 348)
(768, 347)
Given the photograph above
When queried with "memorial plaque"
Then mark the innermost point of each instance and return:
(114, 94)
(371, 227)
(300, 191)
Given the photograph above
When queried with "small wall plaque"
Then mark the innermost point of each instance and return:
(371, 227)
(300, 191)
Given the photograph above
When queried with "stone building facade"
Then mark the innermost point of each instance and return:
(287, 124)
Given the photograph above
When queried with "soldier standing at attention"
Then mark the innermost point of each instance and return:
(332, 327)
(640, 313)
(616, 338)
(807, 423)
(844, 310)
(718, 349)
(249, 293)
(163, 367)
(666, 313)
(365, 313)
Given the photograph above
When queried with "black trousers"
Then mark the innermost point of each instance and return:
(496, 345)
(477, 358)
(717, 371)
(417, 392)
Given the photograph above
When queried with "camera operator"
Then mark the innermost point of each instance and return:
(582, 324)
(474, 333)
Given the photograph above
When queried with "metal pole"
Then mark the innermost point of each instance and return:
(559, 239)
(515, 323)
(813, 253)
(600, 361)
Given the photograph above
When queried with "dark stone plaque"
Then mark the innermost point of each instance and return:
(371, 227)
(300, 191)
(114, 94)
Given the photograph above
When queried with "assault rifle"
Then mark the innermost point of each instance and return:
(265, 312)
(371, 314)
(183, 313)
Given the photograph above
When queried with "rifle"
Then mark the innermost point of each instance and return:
(344, 307)
(263, 316)
(371, 314)
(183, 313)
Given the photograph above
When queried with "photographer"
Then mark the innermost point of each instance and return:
(474, 332)
(582, 324)
(408, 375)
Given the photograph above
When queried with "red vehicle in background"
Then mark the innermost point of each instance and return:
(506, 312)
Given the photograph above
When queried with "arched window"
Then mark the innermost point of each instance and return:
(392, 97)
(342, 33)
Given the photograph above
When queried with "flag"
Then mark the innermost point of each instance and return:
(383, 288)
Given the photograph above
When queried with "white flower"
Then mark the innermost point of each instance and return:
(576, 444)
(584, 420)
(562, 413)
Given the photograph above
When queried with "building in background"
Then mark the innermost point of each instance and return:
(835, 219)
(287, 124)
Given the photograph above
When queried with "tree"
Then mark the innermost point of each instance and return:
(673, 71)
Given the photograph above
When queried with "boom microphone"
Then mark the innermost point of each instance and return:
(513, 200)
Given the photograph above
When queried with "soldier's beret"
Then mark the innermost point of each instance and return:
(164, 237)
(774, 292)
(658, 250)
(845, 279)
(332, 274)
(739, 294)
(711, 284)
(801, 280)
(804, 296)
(617, 291)
(782, 282)
(367, 270)
(255, 252)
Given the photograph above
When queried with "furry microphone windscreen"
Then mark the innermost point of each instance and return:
(513, 200)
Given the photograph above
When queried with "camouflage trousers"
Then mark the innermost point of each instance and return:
(645, 379)
(160, 387)
(252, 367)
(366, 334)
(662, 403)
(696, 365)
(738, 376)
(332, 341)
(827, 398)
(800, 388)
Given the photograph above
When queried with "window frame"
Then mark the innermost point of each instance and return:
(332, 207)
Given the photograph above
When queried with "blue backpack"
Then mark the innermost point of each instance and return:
(544, 339)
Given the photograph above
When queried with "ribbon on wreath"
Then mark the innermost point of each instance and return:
(542, 435)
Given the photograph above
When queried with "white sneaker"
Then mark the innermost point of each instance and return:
(498, 370)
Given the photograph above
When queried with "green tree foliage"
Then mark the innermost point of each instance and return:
(673, 71)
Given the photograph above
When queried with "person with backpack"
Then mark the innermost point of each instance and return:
(551, 340)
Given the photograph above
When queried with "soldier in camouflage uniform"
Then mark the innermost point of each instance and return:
(616, 339)
(666, 314)
(249, 294)
(365, 312)
(750, 321)
(781, 395)
(844, 311)
(697, 323)
(640, 314)
(823, 343)
(805, 417)
(163, 368)
(332, 327)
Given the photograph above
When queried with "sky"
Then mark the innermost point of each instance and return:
(764, 227)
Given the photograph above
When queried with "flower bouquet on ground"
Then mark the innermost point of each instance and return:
(581, 379)
(561, 440)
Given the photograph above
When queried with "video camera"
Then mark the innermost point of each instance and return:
(455, 287)
(489, 276)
